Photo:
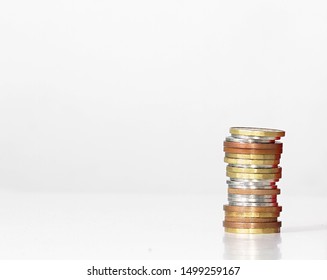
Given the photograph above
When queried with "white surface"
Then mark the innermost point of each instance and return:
(88, 226)
(137, 96)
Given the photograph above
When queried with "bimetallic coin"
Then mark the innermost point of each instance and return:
(254, 170)
(236, 161)
(229, 208)
(252, 230)
(252, 151)
(252, 214)
(259, 146)
(252, 225)
(258, 192)
(256, 131)
(253, 204)
(252, 156)
(253, 176)
(250, 219)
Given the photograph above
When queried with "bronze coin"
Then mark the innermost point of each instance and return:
(254, 191)
(252, 151)
(250, 220)
(263, 209)
(260, 146)
(252, 214)
(252, 225)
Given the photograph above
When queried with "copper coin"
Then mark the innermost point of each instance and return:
(252, 151)
(263, 209)
(260, 146)
(254, 191)
(252, 214)
(252, 225)
(250, 220)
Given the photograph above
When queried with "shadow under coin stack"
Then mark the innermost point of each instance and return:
(253, 156)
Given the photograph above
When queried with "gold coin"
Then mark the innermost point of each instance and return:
(252, 214)
(252, 230)
(251, 161)
(252, 156)
(250, 219)
(277, 170)
(252, 225)
(253, 176)
(256, 131)
(254, 191)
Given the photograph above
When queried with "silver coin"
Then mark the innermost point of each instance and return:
(259, 138)
(250, 183)
(248, 140)
(252, 196)
(252, 166)
(254, 181)
(261, 204)
(251, 200)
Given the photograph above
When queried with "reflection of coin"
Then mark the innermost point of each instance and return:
(253, 151)
(252, 214)
(254, 170)
(240, 161)
(252, 156)
(260, 146)
(254, 192)
(253, 176)
(252, 225)
(250, 219)
(252, 230)
(252, 209)
(255, 131)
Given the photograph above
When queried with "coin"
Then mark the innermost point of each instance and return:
(255, 131)
(250, 219)
(238, 139)
(252, 230)
(240, 161)
(258, 198)
(260, 146)
(253, 176)
(252, 209)
(253, 151)
(253, 204)
(252, 156)
(254, 192)
(252, 214)
(252, 225)
(255, 184)
(277, 170)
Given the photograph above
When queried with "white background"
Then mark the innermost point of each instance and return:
(128, 102)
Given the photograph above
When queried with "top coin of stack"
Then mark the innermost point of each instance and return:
(253, 156)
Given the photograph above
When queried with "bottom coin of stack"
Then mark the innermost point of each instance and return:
(253, 157)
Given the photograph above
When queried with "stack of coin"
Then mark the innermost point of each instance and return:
(253, 156)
